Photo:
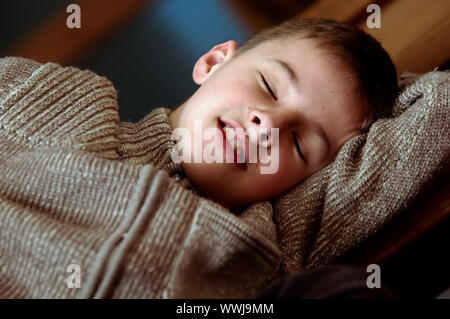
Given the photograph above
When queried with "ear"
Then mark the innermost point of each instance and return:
(213, 59)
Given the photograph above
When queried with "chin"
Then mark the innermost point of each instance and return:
(213, 186)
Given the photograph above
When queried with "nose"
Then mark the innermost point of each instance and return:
(262, 122)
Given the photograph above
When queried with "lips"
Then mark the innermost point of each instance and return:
(240, 135)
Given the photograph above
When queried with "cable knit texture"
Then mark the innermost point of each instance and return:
(77, 186)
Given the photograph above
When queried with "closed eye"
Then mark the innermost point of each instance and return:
(268, 87)
(297, 145)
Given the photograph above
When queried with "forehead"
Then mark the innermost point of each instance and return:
(319, 72)
(306, 53)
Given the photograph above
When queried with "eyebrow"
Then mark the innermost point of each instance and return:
(318, 128)
(288, 72)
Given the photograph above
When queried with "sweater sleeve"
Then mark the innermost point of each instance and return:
(46, 104)
(131, 230)
(13, 72)
(374, 177)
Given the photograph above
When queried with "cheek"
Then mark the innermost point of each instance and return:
(287, 176)
(234, 92)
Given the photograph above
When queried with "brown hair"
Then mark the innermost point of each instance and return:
(361, 52)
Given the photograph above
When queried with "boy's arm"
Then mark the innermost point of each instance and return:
(133, 232)
(46, 104)
(14, 71)
(372, 180)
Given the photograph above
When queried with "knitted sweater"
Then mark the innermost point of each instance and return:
(78, 187)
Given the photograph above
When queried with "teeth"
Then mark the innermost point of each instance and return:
(229, 135)
(240, 156)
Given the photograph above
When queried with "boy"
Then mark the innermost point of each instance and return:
(69, 195)
(318, 81)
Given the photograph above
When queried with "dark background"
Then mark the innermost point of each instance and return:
(150, 59)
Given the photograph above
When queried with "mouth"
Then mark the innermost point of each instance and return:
(232, 140)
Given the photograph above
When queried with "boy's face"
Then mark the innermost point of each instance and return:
(318, 100)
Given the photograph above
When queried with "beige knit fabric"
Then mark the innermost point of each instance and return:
(79, 187)
(149, 141)
(374, 176)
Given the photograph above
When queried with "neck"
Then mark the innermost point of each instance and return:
(174, 116)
